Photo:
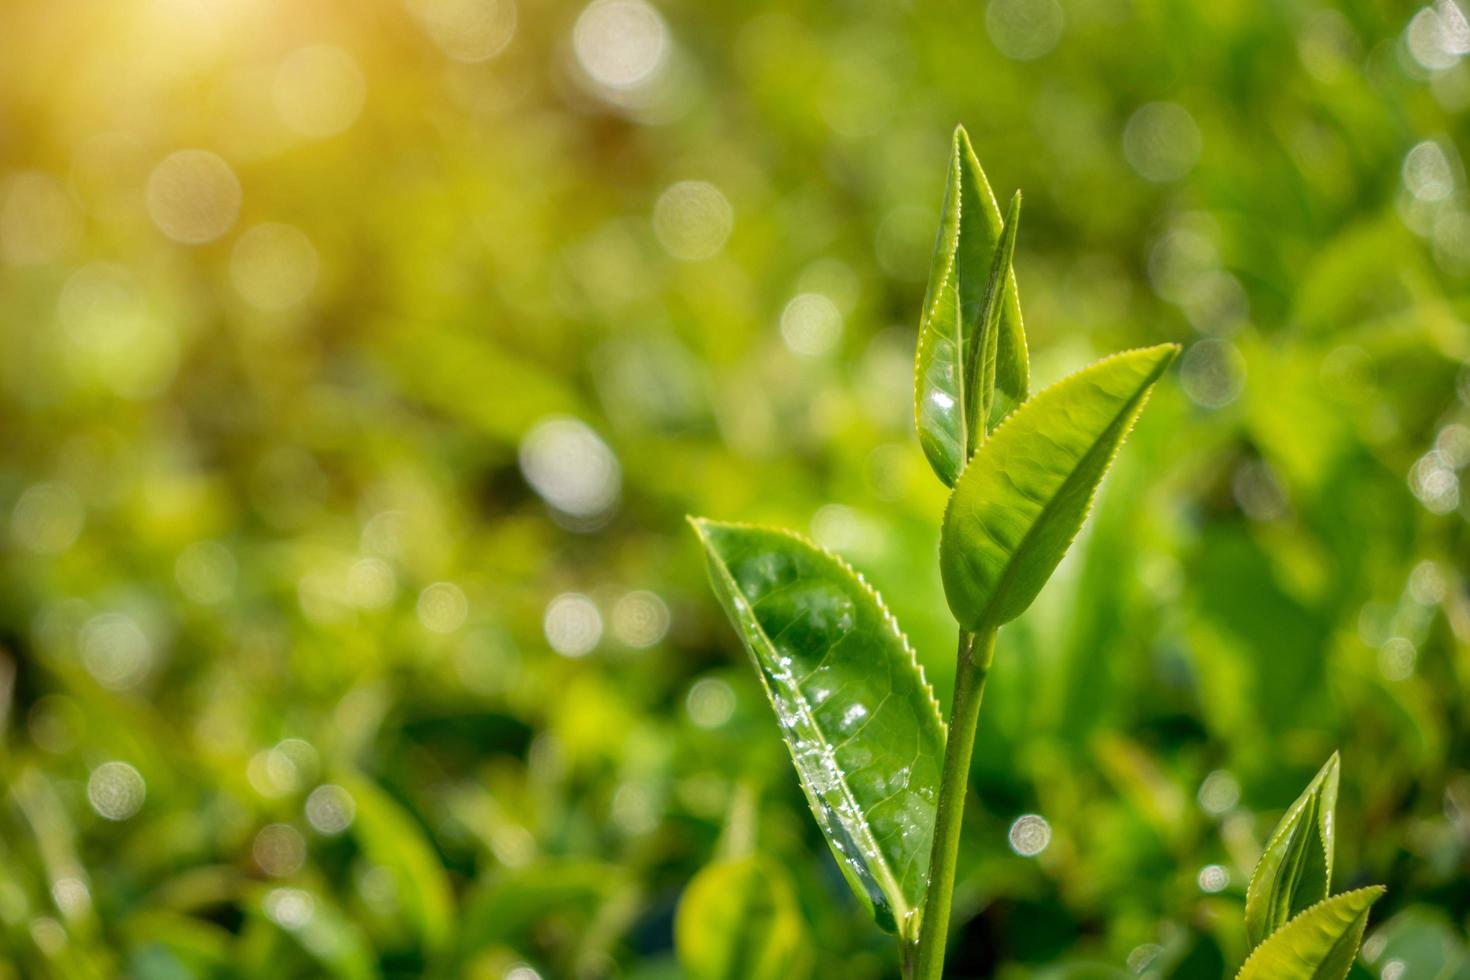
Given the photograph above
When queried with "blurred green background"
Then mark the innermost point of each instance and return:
(359, 362)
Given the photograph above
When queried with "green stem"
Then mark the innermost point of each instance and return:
(971, 668)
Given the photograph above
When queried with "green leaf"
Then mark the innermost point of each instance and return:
(1424, 940)
(322, 929)
(739, 920)
(390, 838)
(1022, 499)
(1295, 868)
(985, 349)
(1319, 944)
(506, 906)
(189, 945)
(859, 719)
(557, 896)
(970, 237)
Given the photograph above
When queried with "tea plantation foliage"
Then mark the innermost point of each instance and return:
(359, 362)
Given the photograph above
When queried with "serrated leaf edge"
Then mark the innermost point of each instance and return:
(957, 188)
(931, 308)
(889, 620)
(1378, 891)
(905, 917)
(1284, 824)
(992, 315)
(1023, 354)
(1107, 465)
(1282, 828)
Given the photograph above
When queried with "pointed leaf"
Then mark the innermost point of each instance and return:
(1319, 944)
(739, 920)
(980, 373)
(327, 934)
(510, 905)
(1022, 499)
(859, 719)
(1295, 868)
(393, 840)
(970, 234)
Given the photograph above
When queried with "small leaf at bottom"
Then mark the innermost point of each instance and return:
(1319, 944)
(1295, 868)
(739, 920)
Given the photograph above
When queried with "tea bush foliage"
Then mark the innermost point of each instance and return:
(360, 361)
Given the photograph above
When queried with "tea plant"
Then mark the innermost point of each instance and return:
(1299, 931)
(863, 727)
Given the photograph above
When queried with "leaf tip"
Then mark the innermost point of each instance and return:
(1368, 895)
(702, 527)
(1162, 355)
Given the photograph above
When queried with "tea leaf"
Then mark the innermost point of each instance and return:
(1295, 869)
(857, 715)
(390, 838)
(194, 947)
(985, 349)
(970, 236)
(326, 933)
(1319, 944)
(509, 907)
(739, 920)
(1425, 940)
(1022, 499)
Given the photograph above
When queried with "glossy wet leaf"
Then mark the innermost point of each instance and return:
(1026, 492)
(1319, 944)
(739, 920)
(1295, 869)
(857, 715)
(970, 235)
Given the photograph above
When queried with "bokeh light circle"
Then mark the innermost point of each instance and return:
(330, 809)
(1030, 835)
(279, 850)
(47, 519)
(1024, 30)
(1162, 142)
(811, 324)
(319, 90)
(274, 266)
(640, 619)
(572, 469)
(469, 31)
(1212, 373)
(573, 625)
(116, 790)
(443, 607)
(620, 44)
(193, 196)
(692, 220)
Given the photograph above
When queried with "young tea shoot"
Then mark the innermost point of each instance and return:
(885, 779)
(1297, 929)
